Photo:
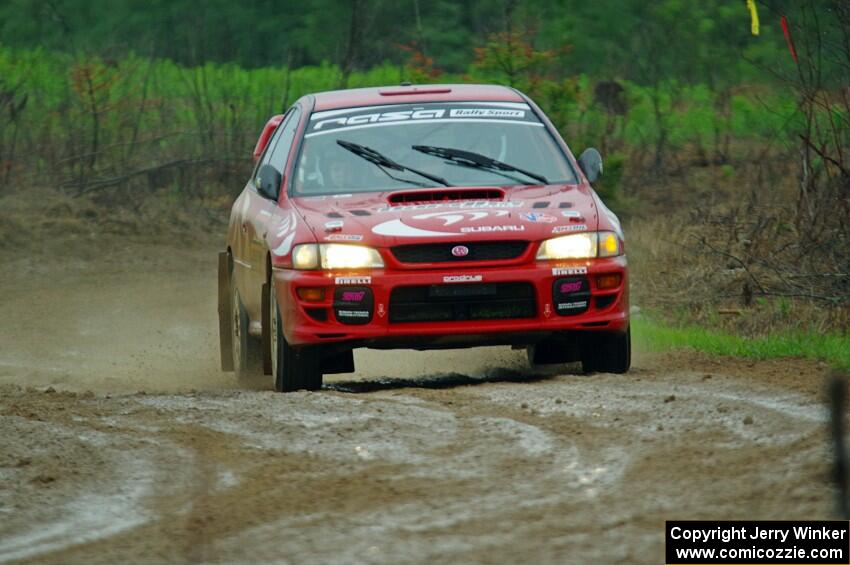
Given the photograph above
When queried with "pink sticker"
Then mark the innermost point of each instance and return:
(569, 287)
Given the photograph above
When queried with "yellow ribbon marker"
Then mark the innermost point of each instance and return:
(754, 16)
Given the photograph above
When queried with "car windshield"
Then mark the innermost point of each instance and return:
(407, 146)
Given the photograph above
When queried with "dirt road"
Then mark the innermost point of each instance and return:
(121, 441)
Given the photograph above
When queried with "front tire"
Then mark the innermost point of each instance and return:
(294, 368)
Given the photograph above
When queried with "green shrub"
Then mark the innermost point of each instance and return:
(608, 185)
(85, 118)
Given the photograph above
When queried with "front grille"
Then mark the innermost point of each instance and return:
(460, 302)
(442, 252)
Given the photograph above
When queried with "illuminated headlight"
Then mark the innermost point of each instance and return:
(335, 256)
(580, 246)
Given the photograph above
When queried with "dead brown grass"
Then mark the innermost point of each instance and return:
(728, 251)
(45, 221)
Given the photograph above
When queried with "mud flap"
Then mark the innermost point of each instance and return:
(225, 333)
(340, 363)
(267, 330)
(553, 352)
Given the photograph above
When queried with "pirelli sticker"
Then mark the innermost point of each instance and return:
(353, 280)
(567, 271)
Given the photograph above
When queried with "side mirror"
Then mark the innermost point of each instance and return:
(591, 164)
(268, 182)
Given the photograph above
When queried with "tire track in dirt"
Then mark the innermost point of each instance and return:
(441, 456)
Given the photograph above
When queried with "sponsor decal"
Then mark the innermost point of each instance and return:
(357, 296)
(334, 225)
(571, 213)
(381, 310)
(569, 228)
(485, 113)
(316, 116)
(547, 310)
(395, 115)
(488, 229)
(563, 271)
(538, 217)
(463, 278)
(460, 251)
(352, 313)
(572, 305)
(353, 280)
(380, 117)
(343, 237)
(568, 287)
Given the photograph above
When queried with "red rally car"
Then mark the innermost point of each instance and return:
(419, 217)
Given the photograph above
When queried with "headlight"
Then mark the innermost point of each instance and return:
(305, 256)
(609, 244)
(574, 246)
(335, 256)
(580, 246)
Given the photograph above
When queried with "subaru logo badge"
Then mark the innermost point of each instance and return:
(460, 251)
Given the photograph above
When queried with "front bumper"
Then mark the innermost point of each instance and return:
(313, 322)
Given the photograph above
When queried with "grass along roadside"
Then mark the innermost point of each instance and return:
(831, 348)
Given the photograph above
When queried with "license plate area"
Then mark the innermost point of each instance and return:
(462, 290)
(462, 302)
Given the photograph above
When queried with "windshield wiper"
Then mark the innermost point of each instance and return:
(475, 160)
(384, 163)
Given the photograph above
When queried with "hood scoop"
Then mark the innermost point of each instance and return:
(447, 195)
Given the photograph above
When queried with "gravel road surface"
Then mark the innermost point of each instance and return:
(120, 441)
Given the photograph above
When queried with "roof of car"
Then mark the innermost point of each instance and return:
(382, 95)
